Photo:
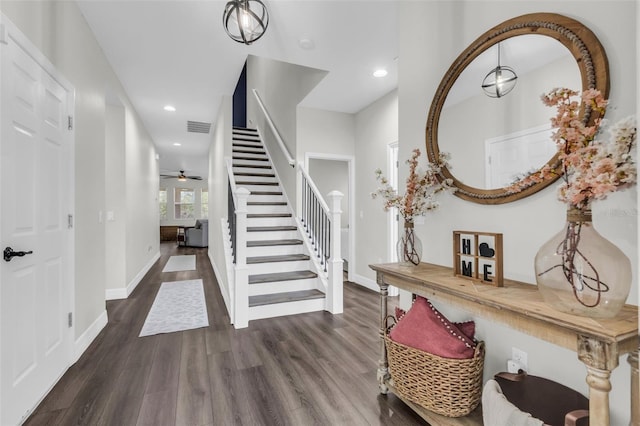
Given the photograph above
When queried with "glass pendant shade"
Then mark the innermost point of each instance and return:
(500, 80)
(245, 21)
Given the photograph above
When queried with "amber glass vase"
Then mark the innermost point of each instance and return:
(580, 272)
(409, 247)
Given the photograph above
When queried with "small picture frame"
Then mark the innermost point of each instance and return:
(477, 256)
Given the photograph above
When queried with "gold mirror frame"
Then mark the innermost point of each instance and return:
(594, 70)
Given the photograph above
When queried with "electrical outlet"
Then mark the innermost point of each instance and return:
(520, 357)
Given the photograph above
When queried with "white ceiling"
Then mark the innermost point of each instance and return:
(176, 52)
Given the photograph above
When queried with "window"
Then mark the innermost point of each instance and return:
(162, 200)
(204, 202)
(184, 200)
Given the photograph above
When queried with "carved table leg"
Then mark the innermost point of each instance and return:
(383, 365)
(635, 389)
(600, 358)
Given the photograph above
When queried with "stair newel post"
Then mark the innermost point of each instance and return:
(334, 289)
(241, 299)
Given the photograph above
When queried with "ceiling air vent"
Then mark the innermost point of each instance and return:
(198, 127)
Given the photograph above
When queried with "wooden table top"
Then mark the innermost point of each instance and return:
(517, 304)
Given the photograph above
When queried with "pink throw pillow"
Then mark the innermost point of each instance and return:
(467, 327)
(424, 327)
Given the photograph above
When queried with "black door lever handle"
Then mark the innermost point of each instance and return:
(9, 253)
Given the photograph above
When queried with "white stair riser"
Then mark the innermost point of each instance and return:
(289, 308)
(256, 209)
(282, 286)
(273, 235)
(256, 188)
(239, 178)
(274, 250)
(270, 221)
(249, 163)
(240, 146)
(246, 135)
(268, 268)
(264, 198)
(252, 169)
(248, 155)
(242, 143)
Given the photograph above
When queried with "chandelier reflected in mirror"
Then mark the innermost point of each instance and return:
(500, 80)
(245, 21)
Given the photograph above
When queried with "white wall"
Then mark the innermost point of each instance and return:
(332, 175)
(219, 148)
(115, 201)
(59, 30)
(170, 185)
(325, 132)
(282, 86)
(376, 128)
(432, 34)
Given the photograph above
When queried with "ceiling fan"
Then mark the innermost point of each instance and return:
(181, 177)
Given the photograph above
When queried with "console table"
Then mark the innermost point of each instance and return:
(598, 343)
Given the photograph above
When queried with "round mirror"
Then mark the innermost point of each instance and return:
(495, 136)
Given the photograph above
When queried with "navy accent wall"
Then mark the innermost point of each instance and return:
(240, 100)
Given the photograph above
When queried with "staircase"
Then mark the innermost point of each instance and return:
(281, 274)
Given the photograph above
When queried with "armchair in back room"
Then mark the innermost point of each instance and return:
(198, 236)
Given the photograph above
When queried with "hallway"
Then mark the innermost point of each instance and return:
(299, 370)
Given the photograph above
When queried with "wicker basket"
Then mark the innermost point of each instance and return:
(450, 387)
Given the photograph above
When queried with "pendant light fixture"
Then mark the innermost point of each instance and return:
(245, 21)
(500, 80)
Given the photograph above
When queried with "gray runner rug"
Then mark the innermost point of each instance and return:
(179, 305)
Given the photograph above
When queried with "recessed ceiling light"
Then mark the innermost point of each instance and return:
(380, 73)
(306, 43)
(177, 144)
(169, 108)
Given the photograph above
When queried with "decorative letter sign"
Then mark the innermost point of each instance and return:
(478, 256)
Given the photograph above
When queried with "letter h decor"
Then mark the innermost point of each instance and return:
(478, 256)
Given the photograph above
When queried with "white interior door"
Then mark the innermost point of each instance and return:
(36, 182)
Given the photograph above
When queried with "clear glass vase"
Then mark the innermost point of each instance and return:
(409, 247)
(580, 272)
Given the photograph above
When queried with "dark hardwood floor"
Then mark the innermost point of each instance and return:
(310, 369)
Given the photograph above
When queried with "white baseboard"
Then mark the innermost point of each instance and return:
(372, 284)
(123, 293)
(82, 343)
(366, 282)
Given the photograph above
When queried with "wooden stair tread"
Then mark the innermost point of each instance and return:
(258, 183)
(271, 228)
(266, 193)
(262, 215)
(278, 258)
(267, 243)
(290, 296)
(246, 151)
(254, 174)
(253, 166)
(249, 158)
(266, 203)
(281, 276)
